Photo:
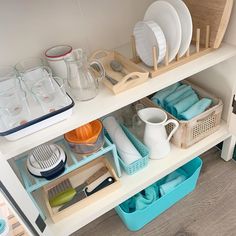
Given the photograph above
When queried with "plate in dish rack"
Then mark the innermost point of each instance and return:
(165, 15)
(186, 24)
(148, 34)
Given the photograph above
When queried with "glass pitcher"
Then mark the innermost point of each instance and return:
(81, 76)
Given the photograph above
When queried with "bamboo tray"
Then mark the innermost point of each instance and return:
(210, 21)
(135, 75)
(76, 178)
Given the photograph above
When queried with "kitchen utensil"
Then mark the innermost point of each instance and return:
(111, 80)
(64, 192)
(83, 194)
(55, 57)
(79, 192)
(186, 24)
(118, 67)
(125, 148)
(148, 34)
(155, 136)
(47, 160)
(82, 80)
(108, 181)
(85, 141)
(31, 70)
(50, 94)
(61, 193)
(164, 14)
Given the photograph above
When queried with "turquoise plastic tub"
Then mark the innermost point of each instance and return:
(136, 220)
(142, 149)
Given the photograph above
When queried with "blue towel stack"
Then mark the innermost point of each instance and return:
(181, 101)
(159, 96)
(196, 109)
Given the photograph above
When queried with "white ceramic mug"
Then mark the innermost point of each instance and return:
(55, 57)
(155, 136)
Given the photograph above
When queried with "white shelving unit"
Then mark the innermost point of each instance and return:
(106, 102)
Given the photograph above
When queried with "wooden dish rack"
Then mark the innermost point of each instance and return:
(210, 20)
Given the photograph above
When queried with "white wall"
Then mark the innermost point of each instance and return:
(28, 27)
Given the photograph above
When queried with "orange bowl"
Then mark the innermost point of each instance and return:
(86, 134)
(86, 144)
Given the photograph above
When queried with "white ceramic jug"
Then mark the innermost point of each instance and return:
(155, 136)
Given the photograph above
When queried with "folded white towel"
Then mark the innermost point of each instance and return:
(125, 148)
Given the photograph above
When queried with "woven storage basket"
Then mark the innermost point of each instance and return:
(194, 130)
(142, 149)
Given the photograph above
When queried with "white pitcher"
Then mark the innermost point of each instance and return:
(155, 136)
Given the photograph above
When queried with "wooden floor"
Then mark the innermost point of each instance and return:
(209, 211)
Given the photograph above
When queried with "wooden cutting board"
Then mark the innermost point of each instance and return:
(215, 13)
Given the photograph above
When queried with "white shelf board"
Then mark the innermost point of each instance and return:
(131, 185)
(106, 102)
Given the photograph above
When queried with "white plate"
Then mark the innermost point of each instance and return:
(148, 34)
(164, 14)
(186, 24)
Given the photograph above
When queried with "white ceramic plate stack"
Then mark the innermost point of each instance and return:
(168, 18)
(147, 35)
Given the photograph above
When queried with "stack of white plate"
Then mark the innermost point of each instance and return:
(167, 25)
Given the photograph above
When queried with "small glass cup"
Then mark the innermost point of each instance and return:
(138, 125)
(50, 93)
(8, 79)
(14, 108)
(31, 70)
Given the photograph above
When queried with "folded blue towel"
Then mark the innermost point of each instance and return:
(184, 104)
(129, 205)
(159, 96)
(141, 200)
(175, 95)
(195, 109)
(147, 197)
(168, 187)
(172, 181)
(170, 104)
(175, 174)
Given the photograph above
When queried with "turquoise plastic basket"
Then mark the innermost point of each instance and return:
(136, 220)
(142, 149)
